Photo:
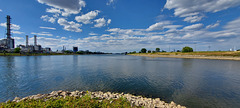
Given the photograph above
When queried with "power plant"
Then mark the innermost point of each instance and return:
(33, 48)
(8, 43)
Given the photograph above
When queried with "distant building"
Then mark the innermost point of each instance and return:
(8, 43)
(47, 50)
(75, 49)
(33, 48)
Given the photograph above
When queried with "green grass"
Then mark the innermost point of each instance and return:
(205, 53)
(69, 102)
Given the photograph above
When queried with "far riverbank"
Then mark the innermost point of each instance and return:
(194, 55)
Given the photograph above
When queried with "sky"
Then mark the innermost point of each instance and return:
(124, 25)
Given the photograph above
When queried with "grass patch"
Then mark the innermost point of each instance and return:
(202, 53)
(70, 102)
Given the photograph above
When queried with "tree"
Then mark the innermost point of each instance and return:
(143, 50)
(17, 50)
(149, 51)
(187, 49)
(157, 49)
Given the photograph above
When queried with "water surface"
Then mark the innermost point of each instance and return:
(189, 82)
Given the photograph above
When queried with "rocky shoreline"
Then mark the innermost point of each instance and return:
(134, 100)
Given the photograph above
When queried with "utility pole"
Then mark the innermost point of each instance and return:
(195, 47)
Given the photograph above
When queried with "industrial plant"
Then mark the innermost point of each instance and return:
(8, 44)
(33, 48)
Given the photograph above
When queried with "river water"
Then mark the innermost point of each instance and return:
(189, 82)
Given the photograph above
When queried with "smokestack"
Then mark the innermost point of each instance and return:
(26, 40)
(8, 27)
(35, 40)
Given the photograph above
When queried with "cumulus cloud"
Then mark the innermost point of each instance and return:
(50, 28)
(48, 19)
(101, 22)
(42, 33)
(192, 9)
(69, 26)
(53, 10)
(13, 26)
(67, 7)
(86, 18)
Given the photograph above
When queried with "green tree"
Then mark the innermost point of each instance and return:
(149, 51)
(157, 49)
(143, 50)
(187, 49)
(17, 50)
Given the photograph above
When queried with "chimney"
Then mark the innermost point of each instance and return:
(8, 27)
(26, 40)
(35, 40)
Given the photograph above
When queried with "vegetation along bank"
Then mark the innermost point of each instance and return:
(89, 100)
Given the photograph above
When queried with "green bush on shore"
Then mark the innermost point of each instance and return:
(69, 102)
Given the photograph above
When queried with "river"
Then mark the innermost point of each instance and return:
(189, 82)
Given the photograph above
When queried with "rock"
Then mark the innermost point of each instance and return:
(65, 93)
(55, 93)
(16, 99)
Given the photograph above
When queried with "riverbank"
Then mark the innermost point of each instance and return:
(39, 54)
(195, 55)
(99, 97)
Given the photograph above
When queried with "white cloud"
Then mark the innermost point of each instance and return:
(17, 32)
(193, 19)
(158, 26)
(235, 24)
(53, 10)
(213, 25)
(85, 19)
(0, 10)
(101, 22)
(13, 26)
(68, 7)
(162, 25)
(50, 28)
(109, 21)
(194, 27)
(92, 34)
(42, 33)
(110, 2)
(48, 19)
(70, 26)
(192, 8)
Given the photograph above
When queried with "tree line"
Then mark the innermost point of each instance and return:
(144, 50)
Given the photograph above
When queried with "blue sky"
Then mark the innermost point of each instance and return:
(125, 25)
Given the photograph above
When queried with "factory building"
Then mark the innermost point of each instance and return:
(31, 48)
(8, 43)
